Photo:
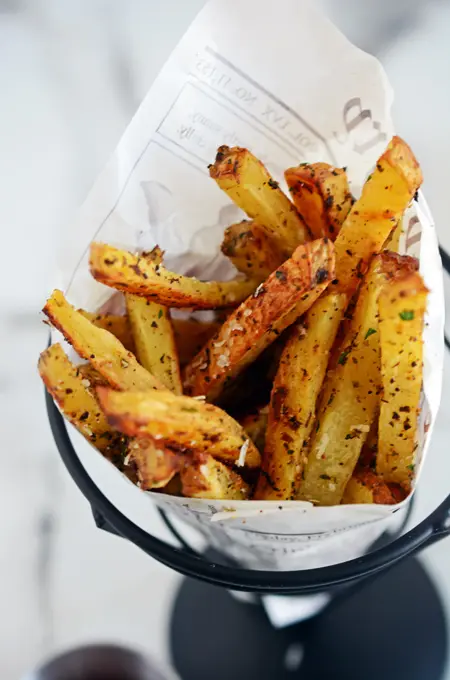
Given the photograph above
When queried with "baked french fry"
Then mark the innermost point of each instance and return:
(155, 466)
(135, 274)
(191, 335)
(252, 251)
(246, 181)
(402, 309)
(209, 478)
(352, 393)
(183, 424)
(115, 324)
(102, 349)
(367, 487)
(296, 388)
(385, 195)
(71, 392)
(287, 294)
(322, 195)
(255, 425)
(154, 339)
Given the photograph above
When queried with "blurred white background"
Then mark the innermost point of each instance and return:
(72, 73)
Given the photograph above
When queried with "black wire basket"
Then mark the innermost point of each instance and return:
(229, 575)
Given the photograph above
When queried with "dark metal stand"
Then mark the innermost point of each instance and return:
(392, 629)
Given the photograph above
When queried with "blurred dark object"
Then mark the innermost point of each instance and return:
(99, 662)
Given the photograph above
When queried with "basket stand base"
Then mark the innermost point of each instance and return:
(394, 627)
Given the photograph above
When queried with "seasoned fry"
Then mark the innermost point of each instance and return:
(246, 181)
(252, 251)
(209, 478)
(322, 196)
(295, 392)
(155, 466)
(106, 354)
(191, 335)
(255, 425)
(154, 340)
(91, 376)
(385, 195)
(69, 389)
(182, 424)
(287, 294)
(367, 487)
(402, 308)
(351, 395)
(135, 274)
(115, 324)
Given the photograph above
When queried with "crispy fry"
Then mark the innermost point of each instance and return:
(295, 392)
(402, 308)
(246, 181)
(155, 466)
(104, 351)
(91, 376)
(191, 335)
(252, 251)
(322, 196)
(255, 425)
(135, 274)
(154, 340)
(115, 324)
(287, 294)
(385, 195)
(69, 389)
(180, 423)
(209, 478)
(351, 395)
(367, 487)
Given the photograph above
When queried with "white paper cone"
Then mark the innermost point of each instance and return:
(278, 78)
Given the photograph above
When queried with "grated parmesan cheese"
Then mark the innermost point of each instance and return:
(322, 446)
(85, 382)
(361, 428)
(243, 453)
(222, 361)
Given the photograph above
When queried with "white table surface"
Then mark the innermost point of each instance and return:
(71, 76)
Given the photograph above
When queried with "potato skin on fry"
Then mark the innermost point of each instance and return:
(247, 182)
(185, 425)
(207, 477)
(402, 309)
(277, 303)
(295, 392)
(322, 196)
(106, 354)
(71, 392)
(252, 251)
(136, 274)
(385, 195)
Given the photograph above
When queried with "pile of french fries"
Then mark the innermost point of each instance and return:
(307, 383)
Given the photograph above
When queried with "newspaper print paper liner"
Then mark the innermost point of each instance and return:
(291, 88)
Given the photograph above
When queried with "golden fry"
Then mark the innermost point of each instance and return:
(252, 251)
(287, 294)
(402, 309)
(104, 351)
(136, 274)
(295, 392)
(155, 466)
(246, 181)
(115, 324)
(367, 487)
(209, 478)
(385, 195)
(322, 196)
(180, 423)
(71, 392)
